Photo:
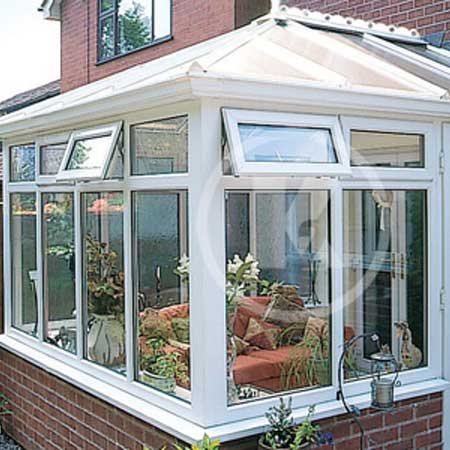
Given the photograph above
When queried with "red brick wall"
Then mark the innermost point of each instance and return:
(48, 413)
(193, 22)
(428, 16)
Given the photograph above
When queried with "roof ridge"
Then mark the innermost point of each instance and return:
(346, 23)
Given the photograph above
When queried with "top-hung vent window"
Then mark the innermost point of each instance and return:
(89, 152)
(266, 143)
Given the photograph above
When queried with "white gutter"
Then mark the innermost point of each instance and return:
(51, 9)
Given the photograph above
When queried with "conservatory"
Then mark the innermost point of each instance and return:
(194, 237)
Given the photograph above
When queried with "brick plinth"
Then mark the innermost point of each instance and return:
(48, 413)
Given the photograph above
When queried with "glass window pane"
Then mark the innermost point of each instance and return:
(162, 18)
(267, 143)
(22, 163)
(59, 270)
(106, 5)
(115, 168)
(278, 292)
(103, 273)
(162, 291)
(106, 38)
(51, 157)
(385, 281)
(89, 153)
(135, 24)
(24, 277)
(160, 147)
(378, 149)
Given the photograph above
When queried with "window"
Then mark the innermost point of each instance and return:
(59, 269)
(128, 25)
(382, 149)
(23, 163)
(104, 279)
(284, 144)
(385, 275)
(50, 158)
(24, 276)
(89, 152)
(160, 147)
(162, 291)
(278, 292)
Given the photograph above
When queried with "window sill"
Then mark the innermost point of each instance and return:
(178, 426)
(122, 55)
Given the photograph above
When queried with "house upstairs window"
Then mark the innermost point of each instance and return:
(128, 25)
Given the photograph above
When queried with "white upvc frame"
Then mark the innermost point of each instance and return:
(235, 117)
(429, 131)
(61, 138)
(89, 174)
(205, 183)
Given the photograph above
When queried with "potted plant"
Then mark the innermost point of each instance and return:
(242, 278)
(283, 435)
(105, 286)
(308, 363)
(163, 370)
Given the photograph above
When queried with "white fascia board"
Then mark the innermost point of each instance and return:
(197, 85)
(51, 9)
(313, 94)
(172, 91)
(423, 64)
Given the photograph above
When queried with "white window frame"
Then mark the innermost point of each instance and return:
(235, 117)
(62, 139)
(208, 410)
(429, 131)
(66, 174)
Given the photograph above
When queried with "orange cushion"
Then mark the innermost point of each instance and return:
(249, 369)
(174, 312)
(249, 307)
(262, 335)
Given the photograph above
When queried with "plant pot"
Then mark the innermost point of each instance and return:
(262, 446)
(105, 340)
(165, 384)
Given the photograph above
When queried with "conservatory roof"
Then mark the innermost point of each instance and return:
(292, 47)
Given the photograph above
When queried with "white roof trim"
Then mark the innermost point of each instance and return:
(51, 9)
(337, 22)
(426, 65)
(263, 53)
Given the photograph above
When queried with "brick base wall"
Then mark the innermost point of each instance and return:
(48, 413)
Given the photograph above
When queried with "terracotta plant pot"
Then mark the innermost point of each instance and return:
(262, 446)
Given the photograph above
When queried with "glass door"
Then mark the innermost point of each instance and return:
(385, 276)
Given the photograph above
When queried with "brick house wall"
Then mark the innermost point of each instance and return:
(193, 22)
(50, 414)
(427, 16)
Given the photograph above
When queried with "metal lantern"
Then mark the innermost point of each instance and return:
(384, 371)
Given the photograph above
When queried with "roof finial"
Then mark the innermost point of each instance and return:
(275, 6)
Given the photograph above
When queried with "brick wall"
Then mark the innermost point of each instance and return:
(428, 16)
(193, 22)
(48, 413)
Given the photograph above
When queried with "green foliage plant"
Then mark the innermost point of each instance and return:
(305, 362)
(306, 432)
(105, 282)
(281, 433)
(165, 365)
(205, 444)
